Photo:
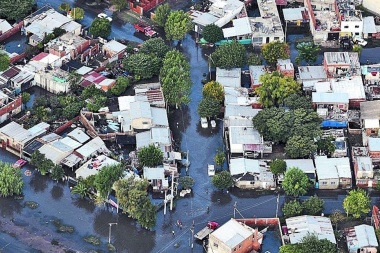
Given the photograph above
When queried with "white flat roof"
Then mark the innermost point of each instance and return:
(366, 236)
(83, 70)
(244, 135)
(125, 102)
(325, 168)
(304, 225)
(364, 163)
(232, 233)
(93, 166)
(312, 72)
(243, 165)
(292, 14)
(203, 18)
(373, 144)
(71, 142)
(306, 165)
(369, 25)
(256, 72)
(154, 173)
(4, 26)
(159, 116)
(229, 77)
(238, 110)
(353, 86)
(92, 146)
(241, 26)
(114, 46)
(371, 123)
(321, 97)
(79, 135)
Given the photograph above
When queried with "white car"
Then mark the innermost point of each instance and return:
(213, 123)
(103, 15)
(360, 41)
(211, 170)
(204, 122)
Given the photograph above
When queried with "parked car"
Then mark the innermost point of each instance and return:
(360, 41)
(204, 122)
(146, 29)
(103, 15)
(213, 123)
(211, 170)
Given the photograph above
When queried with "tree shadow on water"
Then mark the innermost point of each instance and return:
(56, 192)
(221, 198)
(38, 183)
(9, 206)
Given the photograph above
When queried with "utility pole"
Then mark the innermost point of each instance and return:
(109, 234)
(235, 209)
(278, 201)
(172, 192)
(209, 63)
(165, 200)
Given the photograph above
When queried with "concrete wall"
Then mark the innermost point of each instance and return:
(328, 184)
(372, 5)
(218, 246)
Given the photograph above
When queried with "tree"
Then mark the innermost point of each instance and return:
(213, 90)
(150, 156)
(175, 79)
(119, 4)
(313, 206)
(357, 202)
(100, 27)
(72, 110)
(273, 123)
(4, 62)
(58, 32)
(275, 50)
(254, 59)
(64, 7)
(208, 107)
(121, 85)
(161, 14)
(220, 157)
(326, 146)
(16, 9)
(57, 172)
(77, 13)
(300, 147)
(37, 158)
(228, 56)
(222, 180)
(292, 208)
(297, 101)
(311, 244)
(155, 46)
(177, 25)
(212, 33)
(46, 166)
(147, 216)
(142, 66)
(358, 49)
(31, 51)
(11, 182)
(336, 217)
(106, 177)
(74, 80)
(275, 88)
(186, 182)
(308, 52)
(25, 97)
(278, 167)
(80, 189)
(296, 183)
(305, 123)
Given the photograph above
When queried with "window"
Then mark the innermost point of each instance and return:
(234, 249)
(356, 26)
(215, 245)
(276, 38)
(332, 182)
(324, 182)
(145, 123)
(239, 246)
(346, 26)
(357, 34)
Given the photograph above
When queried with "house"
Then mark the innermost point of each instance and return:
(9, 105)
(113, 50)
(156, 177)
(324, 23)
(255, 73)
(364, 173)
(370, 117)
(371, 5)
(241, 29)
(53, 80)
(15, 137)
(158, 136)
(306, 165)
(68, 46)
(231, 237)
(6, 76)
(94, 165)
(296, 17)
(245, 141)
(371, 79)
(354, 88)
(340, 147)
(4, 26)
(220, 13)
(374, 148)
(341, 64)
(159, 117)
(309, 75)
(56, 151)
(234, 97)
(141, 115)
(251, 174)
(330, 102)
(267, 28)
(22, 79)
(44, 23)
(78, 135)
(153, 92)
(229, 77)
(361, 238)
(301, 226)
(369, 27)
(285, 67)
(100, 81)
(92, 148)
(351, 20)
(333, 172)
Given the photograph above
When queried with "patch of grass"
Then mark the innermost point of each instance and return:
(31, 204)
(110, 247)
(61, 228)
(92, 240)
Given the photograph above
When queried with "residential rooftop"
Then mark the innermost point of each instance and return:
(347, 11)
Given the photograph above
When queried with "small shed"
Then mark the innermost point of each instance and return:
(114, 50)
(306, 165)
(361, 238)
(229, 77)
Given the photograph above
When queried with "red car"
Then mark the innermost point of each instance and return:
(19, 163)
(146, 29)
(213, 225)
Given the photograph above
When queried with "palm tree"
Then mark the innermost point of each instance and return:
(57, 172)
(80, 189)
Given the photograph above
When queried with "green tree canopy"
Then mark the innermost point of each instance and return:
(186, 182)
(100, 27)
(300, 147)
(308, 52)
(161, 14)
(292, 208)
(275, 88)
(208, 107)
(177, 25)
(59, 32)
(296, 183)
(175, 78)
(228, 56)
(275, 50)
(64, 7)
(143, 66)
(310, 244)
(80, 189)
(297, 101)
(25, 97)
(74, 80)
(313, 206)
(121, 85)
(213, 90)
(119, 4)
(278, 166)
(46, 166)
(11, 182)
(212, 33)
(254, 59)
(105, 179)
(357, 202)
(222, 180)
(16, 9)
(156, 46)
(57, 172)
(358, 49)
(77, 13)
(37, 158)
(4, 62)
(326, 146)
(150, 156)
(220, 157)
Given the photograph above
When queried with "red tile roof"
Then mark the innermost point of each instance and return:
(40, 56)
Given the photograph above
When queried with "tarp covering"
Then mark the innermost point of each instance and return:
(334, 124)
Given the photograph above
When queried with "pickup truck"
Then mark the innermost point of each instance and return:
(146, 29)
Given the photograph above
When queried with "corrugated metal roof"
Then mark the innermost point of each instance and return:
(325, 168)
(320, 97)
(306, 165)
(79, 135)
(142, 139)
(160, 135)
(242, 165)
(71, 142)
(93, 146)
(373, 144)
(232, 233)
(229, 78)
(140, 109)
(369, 25)
(366, 236)
(243, 111)
(159, 116)
(154, 173)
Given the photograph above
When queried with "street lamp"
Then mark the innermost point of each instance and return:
(209, 65)
(109, 233)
